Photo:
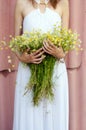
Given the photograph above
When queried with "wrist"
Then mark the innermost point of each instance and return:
(60, 56)
(61, 60)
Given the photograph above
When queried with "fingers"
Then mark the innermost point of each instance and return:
(47, 45)
(38, 51)
(38, 60)
(39, 54)
(47, 48)
(51, 44)
(53, 50)
(36, 57)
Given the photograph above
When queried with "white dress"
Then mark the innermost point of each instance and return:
(46, 116)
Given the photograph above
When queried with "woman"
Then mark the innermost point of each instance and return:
(41, 14)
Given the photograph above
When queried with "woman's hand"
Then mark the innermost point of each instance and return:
(53, 50)
(35, 57)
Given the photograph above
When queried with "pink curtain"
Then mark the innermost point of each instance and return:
(75, 64)
(77, 71)
(7, 80)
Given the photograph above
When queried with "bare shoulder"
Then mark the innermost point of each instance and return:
(18, 8)
(63, 6)
(64, 2)
(21, 4)
(24, 7)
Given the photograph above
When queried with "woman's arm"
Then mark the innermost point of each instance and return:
(50, 48)
(65, 14)
(18, 18)
(25, 57)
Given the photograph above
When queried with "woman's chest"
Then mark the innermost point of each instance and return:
(44, 21)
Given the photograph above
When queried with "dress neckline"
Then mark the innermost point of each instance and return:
(42, 14)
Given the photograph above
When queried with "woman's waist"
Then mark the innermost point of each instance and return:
(59, 65)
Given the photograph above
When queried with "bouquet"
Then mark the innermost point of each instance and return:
(41, 74)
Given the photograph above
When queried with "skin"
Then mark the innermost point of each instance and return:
(23, 8)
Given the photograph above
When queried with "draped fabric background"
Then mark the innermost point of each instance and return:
(76, 65)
